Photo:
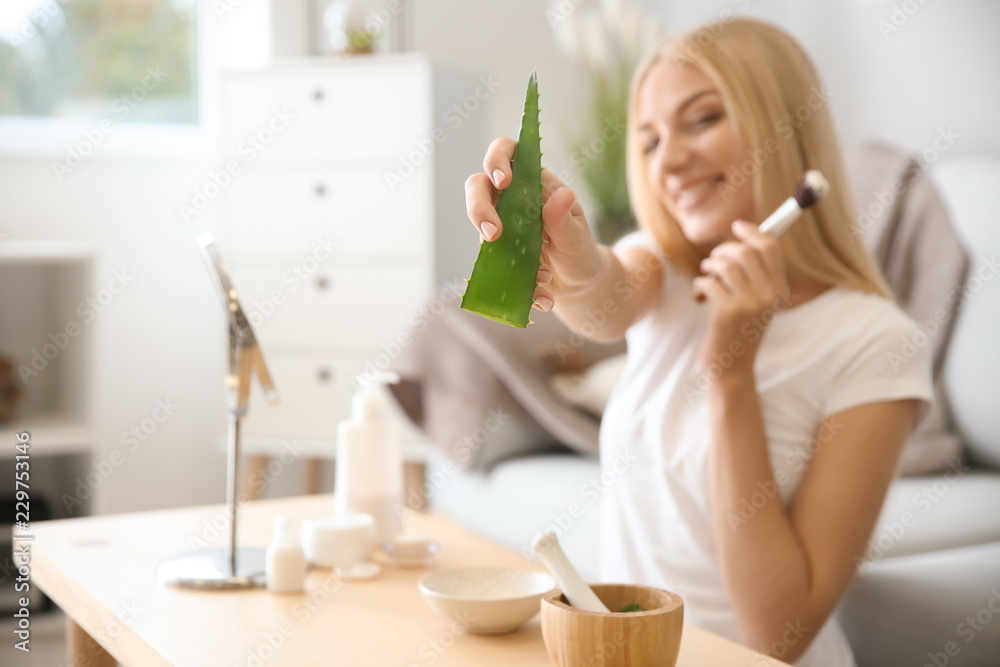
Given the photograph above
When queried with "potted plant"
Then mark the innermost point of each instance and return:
(606, 42)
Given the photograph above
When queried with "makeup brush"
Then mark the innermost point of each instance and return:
(813, 187)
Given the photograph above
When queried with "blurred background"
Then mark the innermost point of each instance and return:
(326, 145)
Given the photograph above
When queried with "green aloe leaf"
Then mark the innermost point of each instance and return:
(505, 274)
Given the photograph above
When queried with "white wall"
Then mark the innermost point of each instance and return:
(160, 338)
(937, 70)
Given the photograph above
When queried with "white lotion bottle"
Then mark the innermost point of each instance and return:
(285, 562)
(369, 476)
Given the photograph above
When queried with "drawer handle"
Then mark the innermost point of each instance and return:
(320, 190)
(322, 283)
(324, 375)
(318, 95)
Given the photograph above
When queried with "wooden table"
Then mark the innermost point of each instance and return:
(101, 571)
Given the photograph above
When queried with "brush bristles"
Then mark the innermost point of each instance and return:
(812, 188)
(817, 181)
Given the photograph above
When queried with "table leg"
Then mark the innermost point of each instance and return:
(414, 484)
(82, 650)
(314, 473)
(255, 467)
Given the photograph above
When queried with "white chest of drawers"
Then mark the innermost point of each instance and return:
(316, 142)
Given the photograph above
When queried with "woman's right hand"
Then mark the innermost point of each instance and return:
(571, 259)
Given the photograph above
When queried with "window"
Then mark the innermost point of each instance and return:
(127, 60)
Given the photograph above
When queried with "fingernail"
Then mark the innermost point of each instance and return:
(489, 230)
(544, 302)
(497, 177)
(544, 276)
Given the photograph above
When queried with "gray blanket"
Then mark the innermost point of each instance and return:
(905, 225)
(463, 374)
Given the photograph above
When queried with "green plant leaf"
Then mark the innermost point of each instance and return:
(504, 277)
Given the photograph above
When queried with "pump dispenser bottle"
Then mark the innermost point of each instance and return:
(369, 475)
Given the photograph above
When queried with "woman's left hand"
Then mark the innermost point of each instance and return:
(744, 283)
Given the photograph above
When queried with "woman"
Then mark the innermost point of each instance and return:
(764, 424)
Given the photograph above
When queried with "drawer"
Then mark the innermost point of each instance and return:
(315, 394)
(320, 303)
(282, 212)
(371, 112)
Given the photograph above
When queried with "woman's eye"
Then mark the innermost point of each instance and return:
(649, 147)
(707, 119)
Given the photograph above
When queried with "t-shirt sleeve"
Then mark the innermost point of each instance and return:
(637, 238)
(890, 361)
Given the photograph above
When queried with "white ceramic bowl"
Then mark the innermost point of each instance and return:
(487, 600)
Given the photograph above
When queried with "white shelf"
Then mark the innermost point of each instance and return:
(43, 252)
(412, 448)
(51, 435)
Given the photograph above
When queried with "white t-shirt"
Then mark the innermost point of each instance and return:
(842, 349)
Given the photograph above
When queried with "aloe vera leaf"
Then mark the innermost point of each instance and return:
(505, 274)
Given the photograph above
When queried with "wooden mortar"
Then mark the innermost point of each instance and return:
(648, 638)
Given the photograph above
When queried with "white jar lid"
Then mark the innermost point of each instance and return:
(339, 526)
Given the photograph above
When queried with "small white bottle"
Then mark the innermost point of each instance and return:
(369, 475)
(285, 563)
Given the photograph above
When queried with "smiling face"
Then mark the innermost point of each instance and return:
(692, 148)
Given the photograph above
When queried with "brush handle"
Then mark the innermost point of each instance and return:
(776, 224)
(779, 221)
(576, 590)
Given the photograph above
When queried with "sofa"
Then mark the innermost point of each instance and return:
(928, 590)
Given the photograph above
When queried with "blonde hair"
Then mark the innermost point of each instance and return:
(771, 89)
